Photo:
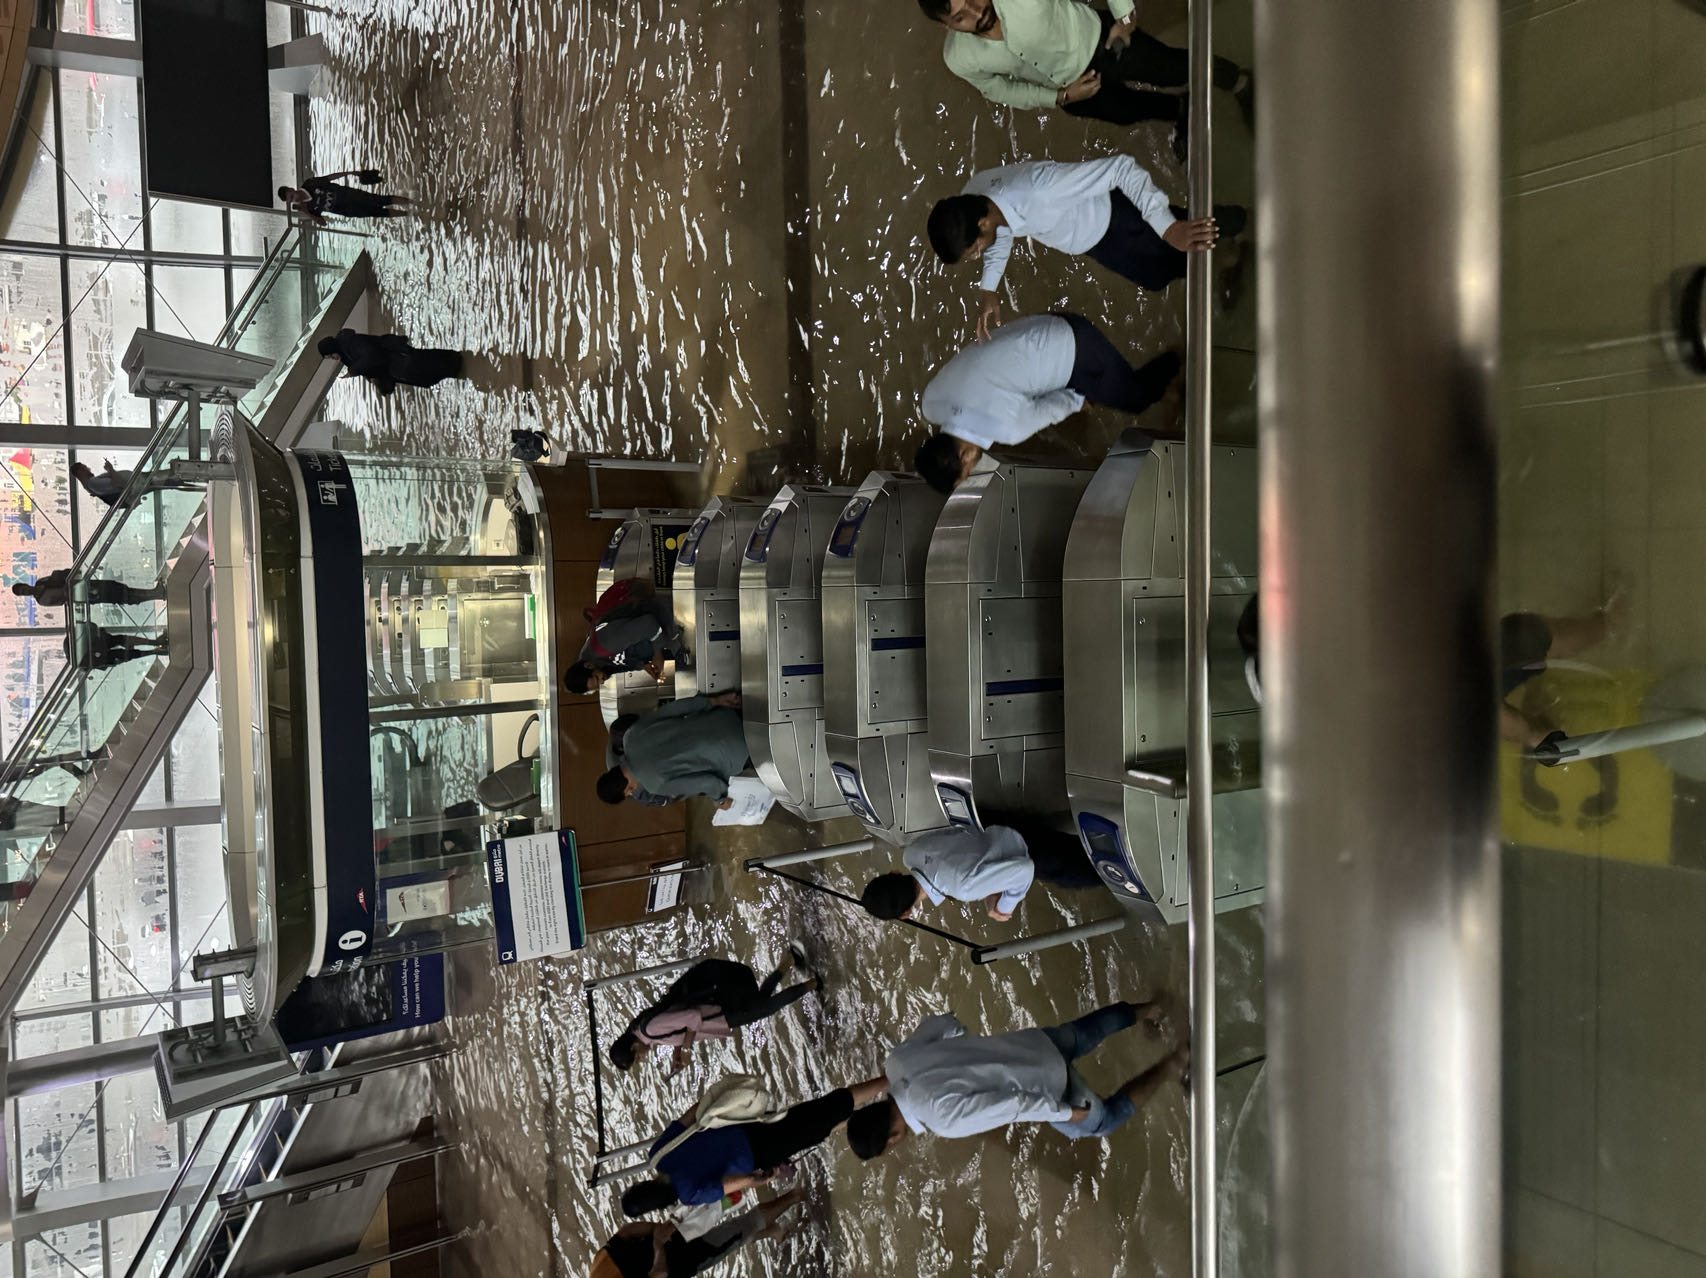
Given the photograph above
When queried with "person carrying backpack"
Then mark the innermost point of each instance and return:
(722, 1146)
(631, 629)
(712, 999)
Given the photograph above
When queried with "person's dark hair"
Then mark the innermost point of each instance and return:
(284, 193)
(936, 10)
(938, 462)
(648, 1196)
(888, 896)
(953, 225)
(613, 786)
(623, 1050)
(21, 588)
(578, 677)
(868, 1129)
(328, 346)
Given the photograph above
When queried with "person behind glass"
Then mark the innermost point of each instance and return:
(1529, 640)
(23, 815)
(951, 1083)
(54, 591)
(92, 647)
(389, 360)
(108, 486)
(995, 865)
(716, 1161)
(672, 1249)
(1030, 374)
(1035, 54)
(318, 196)
(641, 633)
(711, 999)
(689, 747)
(1109, 210)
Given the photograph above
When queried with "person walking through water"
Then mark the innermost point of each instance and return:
(54, 591)
(389, 360)
(711, 999)
(318, 196)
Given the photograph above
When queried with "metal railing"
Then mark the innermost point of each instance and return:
(1199, 735)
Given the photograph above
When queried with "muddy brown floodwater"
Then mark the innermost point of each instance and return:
(696, 231)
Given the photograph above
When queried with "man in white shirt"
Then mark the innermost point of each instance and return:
(945, 1081)
(1108, 209)
(1030, 374)
(994, 865)
(1042, 53)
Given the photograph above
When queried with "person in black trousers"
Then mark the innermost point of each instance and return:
(712, 999)
(389, 360)
(95, 647)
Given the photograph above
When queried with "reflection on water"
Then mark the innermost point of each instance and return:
(685, 230)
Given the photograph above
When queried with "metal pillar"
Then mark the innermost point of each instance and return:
(1379, 345)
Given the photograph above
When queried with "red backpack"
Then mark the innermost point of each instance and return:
(627, 590)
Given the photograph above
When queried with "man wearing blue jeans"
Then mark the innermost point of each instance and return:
(951, 1083)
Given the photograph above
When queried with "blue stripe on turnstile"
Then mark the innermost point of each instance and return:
(794, 672)
(1013, 687)
(900, 641)
(724, 636)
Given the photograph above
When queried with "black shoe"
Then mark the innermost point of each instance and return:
(1182, 130)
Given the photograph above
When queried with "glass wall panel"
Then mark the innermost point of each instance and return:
(204, 918)
(133, 916)
(29, 210)
(54, 1130)
(189, 301)
(183, 227)
(115, 18)
(103, 159)
(108, 298)
(62, 978)
(32, 349)
(28, 666)
(195, 752)
(35, 530)
(137, 1139)
(65, 1253)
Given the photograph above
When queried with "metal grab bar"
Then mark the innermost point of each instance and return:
(1199, 734)
(1378, 192)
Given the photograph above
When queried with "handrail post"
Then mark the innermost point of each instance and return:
(1199, 737)
(1379, 201)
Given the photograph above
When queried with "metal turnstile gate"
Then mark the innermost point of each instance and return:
(875, 708)
(992, 607)
(781, 649)
(643, 546)
(707, 594)
(1124, 608)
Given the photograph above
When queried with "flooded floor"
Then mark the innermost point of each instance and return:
(697, 231)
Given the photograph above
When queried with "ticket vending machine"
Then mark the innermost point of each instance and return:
(781, 648)
(707, 594)
(1124, 610)
(994, 660)
(876, 708)
(643, 546)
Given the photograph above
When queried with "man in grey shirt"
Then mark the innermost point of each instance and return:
(994, 865)
(691, 746)
(951, 1083)
(639, 634)
(54, 591)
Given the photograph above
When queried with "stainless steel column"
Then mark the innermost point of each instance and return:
(1378, 212)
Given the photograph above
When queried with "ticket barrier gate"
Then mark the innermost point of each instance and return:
(1124, 608)
(874, 709)
(644, 546)
(781, 649)
(994, 660)
(707, 594)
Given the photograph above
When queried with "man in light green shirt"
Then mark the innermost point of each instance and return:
(1042, 53)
